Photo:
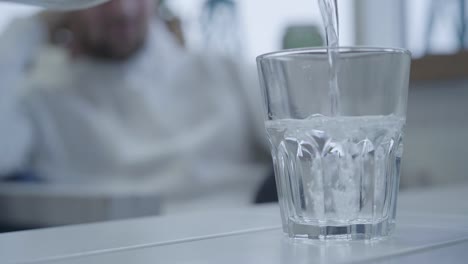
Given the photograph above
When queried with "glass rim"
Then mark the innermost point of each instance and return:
(324, 49)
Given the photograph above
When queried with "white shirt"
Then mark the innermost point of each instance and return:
(165, 119)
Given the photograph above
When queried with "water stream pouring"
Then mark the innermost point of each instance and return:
(329, 10)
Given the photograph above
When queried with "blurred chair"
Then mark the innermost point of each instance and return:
(267, 193)
(435, 149)
(28, 205)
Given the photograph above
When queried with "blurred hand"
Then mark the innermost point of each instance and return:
(53, 21)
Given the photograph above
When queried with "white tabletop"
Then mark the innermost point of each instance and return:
(432, 228)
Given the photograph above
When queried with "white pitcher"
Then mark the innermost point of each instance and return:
(60, 4)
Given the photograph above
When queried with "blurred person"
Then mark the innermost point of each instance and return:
(123, 103)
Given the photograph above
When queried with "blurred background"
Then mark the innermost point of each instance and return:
(63, 128)
(423, 26)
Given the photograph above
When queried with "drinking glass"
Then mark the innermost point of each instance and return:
(337, 175)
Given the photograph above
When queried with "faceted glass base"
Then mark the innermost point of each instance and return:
(364, 231)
